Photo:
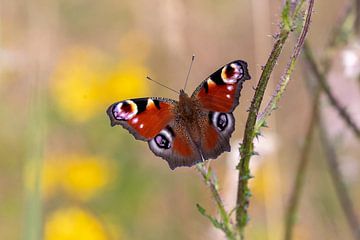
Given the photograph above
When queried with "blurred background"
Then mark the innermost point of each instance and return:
(66, 174)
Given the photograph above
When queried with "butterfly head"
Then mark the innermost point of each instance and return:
(186, 104)
(183, 93)
(183, 97)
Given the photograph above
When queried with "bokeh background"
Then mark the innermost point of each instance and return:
(66, 174)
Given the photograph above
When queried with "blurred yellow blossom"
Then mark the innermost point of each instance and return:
(127, 80)
(73, 224)
(51, 177)
(86, 81)
(79, 176)
(265, 181)
(84, 176)
(75, 81)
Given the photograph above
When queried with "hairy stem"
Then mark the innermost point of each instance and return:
(284, 81)
(247, 147)
(210, 179)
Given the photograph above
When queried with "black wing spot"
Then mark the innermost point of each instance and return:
(171, 131)
(216, 77)
(222, 121)
(141, 104)
(157, 103)
(211, 117)
(206, 87)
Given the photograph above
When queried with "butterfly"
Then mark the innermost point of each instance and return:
(193, 129)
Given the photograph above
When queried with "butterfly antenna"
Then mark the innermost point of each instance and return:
(187, 77)
(162, 85)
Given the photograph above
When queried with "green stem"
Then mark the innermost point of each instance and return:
(284, 81)
(210, 179)
(33, 164)
(247, 147)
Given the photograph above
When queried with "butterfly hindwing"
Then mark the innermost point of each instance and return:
(221, 91)
(174, 144)
(215, 136)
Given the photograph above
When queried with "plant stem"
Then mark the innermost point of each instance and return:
(340, 187)
(210, 179)
(345, 116)
(33, 164)
(300, 174)
(284, 81)
(357, 20)
(290, 216)
(247, 147)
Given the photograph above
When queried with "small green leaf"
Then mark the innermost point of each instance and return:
(200, 209)
(213, 220)
(264, 124)
(254, 153)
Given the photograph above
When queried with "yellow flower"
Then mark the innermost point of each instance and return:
(75, 82)
(51, 175)
(86, 82)
(73, 224)
(125, 81)
(79, 176)
(84, 176)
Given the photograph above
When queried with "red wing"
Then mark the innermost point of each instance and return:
(221, 91)
(174, 144)
(215, 136)
(143, 117)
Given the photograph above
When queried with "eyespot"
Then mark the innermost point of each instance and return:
(222, 121)
(125, 110)
(232, 73)
(162, 141)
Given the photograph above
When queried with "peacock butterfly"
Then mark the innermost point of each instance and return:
(192, 129)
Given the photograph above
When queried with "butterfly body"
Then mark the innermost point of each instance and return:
(193, 129)
(190, 115)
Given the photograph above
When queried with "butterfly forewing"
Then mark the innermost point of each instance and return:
(143, 117)
(220, 92)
